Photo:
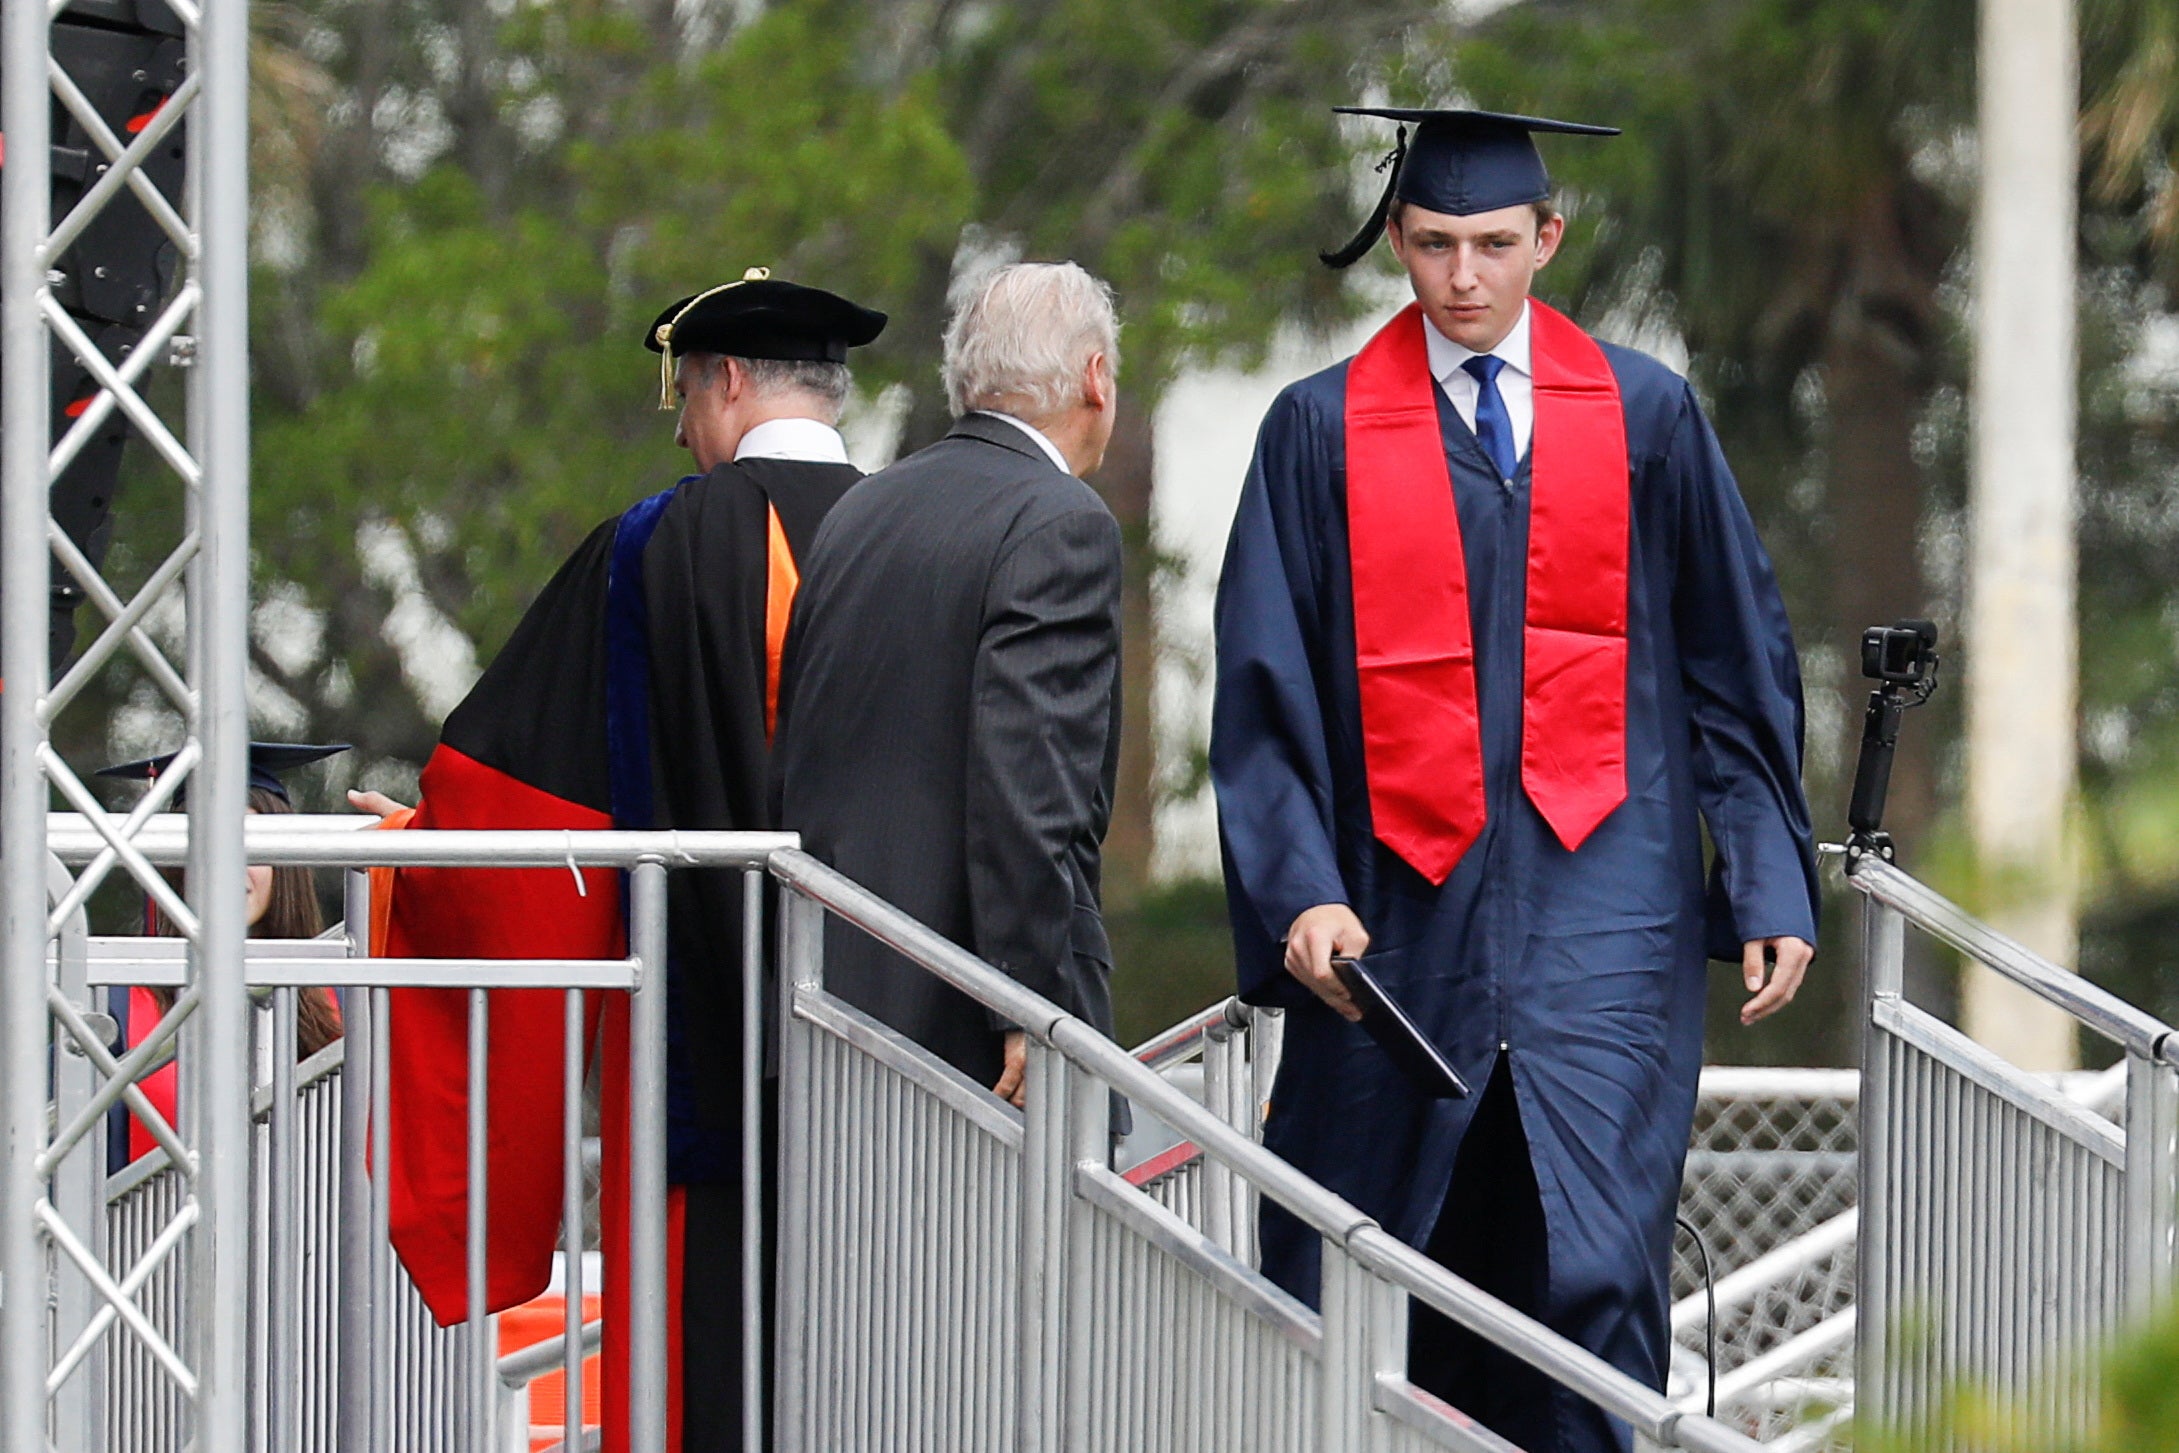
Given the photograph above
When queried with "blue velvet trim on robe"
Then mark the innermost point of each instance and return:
(628, 749)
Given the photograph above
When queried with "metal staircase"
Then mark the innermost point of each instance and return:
(953, 1274)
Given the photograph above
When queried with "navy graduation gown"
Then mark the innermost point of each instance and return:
(1586, 970)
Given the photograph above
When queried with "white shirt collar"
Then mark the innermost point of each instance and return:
(1051, 450)
(803, 439)
(1447, 357)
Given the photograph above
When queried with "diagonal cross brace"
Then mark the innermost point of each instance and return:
(154, 1254)
(121, 1081)
(163, 789)
(125, 164)
(149, 878)
(101, 405)
(102, 595)
(56, 1230)
(141, 414)
(123, 629)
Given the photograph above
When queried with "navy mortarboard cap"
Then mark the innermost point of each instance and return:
(1459, 163)
(267, 761)
(759, 316)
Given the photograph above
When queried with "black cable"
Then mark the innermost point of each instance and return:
(1709, 1288)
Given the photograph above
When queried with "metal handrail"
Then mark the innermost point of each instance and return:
(2108, 1015)
(342, 840)
(1371, 1247)
(523, 1366)
(339, 841)
(1185, 1040)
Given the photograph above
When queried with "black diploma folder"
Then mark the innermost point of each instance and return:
(1397, 1035)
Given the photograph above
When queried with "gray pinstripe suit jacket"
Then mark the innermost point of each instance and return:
(949, 725)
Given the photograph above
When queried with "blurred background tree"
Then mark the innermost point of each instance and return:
(468, 209)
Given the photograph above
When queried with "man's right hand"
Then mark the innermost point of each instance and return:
(1318, 934)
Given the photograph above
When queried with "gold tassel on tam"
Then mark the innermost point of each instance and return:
(665, 333)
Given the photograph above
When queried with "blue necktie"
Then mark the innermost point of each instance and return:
(1493, 427)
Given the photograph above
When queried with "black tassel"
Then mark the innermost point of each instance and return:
(1374, 228)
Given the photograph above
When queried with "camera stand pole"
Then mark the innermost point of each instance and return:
(1872, 773)
(1902, 659)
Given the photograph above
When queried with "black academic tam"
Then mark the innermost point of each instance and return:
(267, 761)
(760, 316)
(1459, 163)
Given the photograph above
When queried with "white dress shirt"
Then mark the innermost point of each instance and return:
(803, 439)
(1516, 384)
(1051, 450)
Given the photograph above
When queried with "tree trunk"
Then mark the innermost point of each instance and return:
(1126, 481)
(482, 142)
(1878, 369)
(348, 161)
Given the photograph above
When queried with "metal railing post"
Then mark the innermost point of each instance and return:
(358, 1288)
(1046, 1171)
(283, 1276)
(1365, 1333)
(571, 1219)
(1221, 1051)
(477, 1204)
(802, 971)
(78, 1194)
(378, 1378)
(25, 118)
(1884, 939)
(647, 1162)
(753, 1269)
(2152, 1182)
(1088, 1146)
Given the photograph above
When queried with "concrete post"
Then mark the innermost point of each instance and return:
(2021, 632)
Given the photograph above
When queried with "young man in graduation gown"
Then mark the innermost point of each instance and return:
(950, 723)
(1496, 642)
(638, 692)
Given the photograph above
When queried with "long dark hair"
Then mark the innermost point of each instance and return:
(291, 912)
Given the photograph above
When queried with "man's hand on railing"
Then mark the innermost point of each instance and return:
(1319, 933)
(1013, 1085)
(1784, 960)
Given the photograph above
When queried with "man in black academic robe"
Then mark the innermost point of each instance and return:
(637, 692)
(949, 719)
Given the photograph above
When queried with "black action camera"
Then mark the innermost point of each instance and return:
(1902, 655)
(1902, 659)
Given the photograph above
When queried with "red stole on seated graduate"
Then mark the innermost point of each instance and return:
(1414, 651)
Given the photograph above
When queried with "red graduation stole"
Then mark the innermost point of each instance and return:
(1421, 735)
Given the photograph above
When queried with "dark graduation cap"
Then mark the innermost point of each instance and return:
(759, 316)
(1459, 163)
(267, 761)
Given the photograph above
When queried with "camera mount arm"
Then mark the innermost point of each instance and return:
(1902, 659)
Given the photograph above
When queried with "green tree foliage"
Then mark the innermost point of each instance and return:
(486, 372)
(468, 212)
(2137, 1408)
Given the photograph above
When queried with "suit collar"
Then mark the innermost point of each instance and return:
(991, 429)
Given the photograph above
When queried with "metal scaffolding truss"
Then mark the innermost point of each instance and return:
(52, 1242)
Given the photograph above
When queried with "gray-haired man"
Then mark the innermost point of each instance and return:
(950, 700)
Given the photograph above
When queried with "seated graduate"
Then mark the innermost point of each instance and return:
(283, 904)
